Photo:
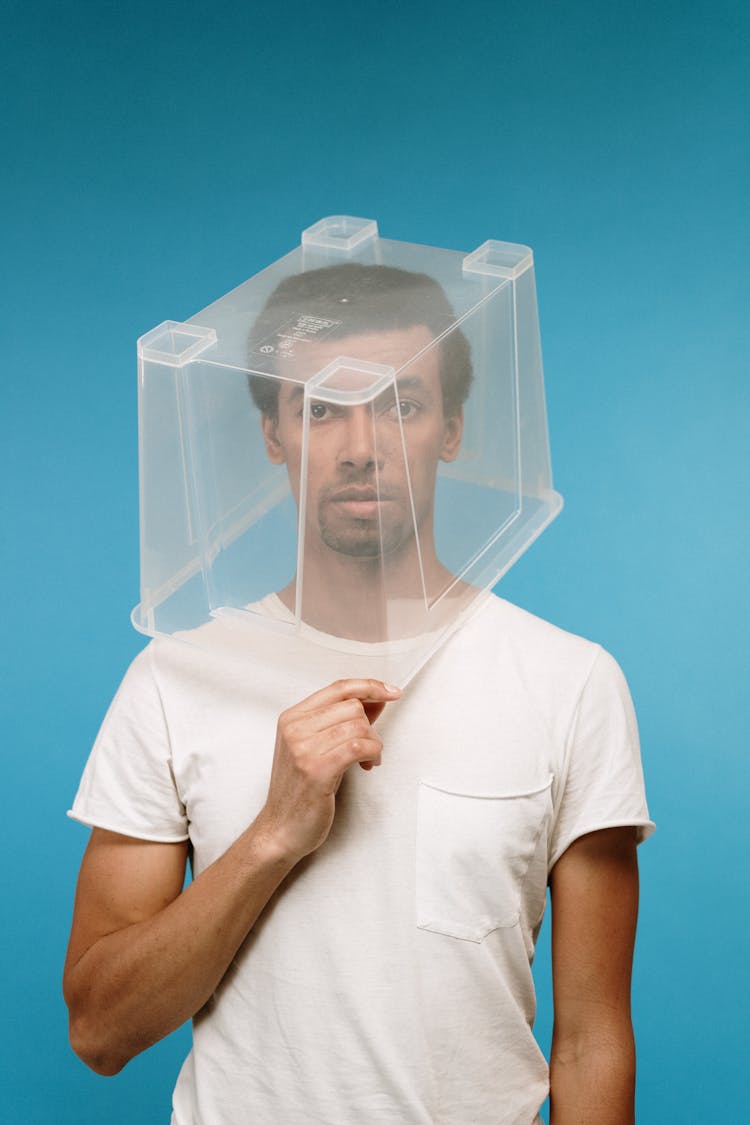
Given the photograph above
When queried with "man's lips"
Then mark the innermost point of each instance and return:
(353, 492)
(363, 503)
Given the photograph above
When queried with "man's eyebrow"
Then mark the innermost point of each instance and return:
(411, 383)
(404, 384)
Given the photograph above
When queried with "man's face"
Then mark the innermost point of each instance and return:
(358, 501)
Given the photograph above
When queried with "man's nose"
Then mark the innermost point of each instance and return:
(359, 445)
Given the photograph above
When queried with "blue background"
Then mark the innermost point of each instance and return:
(157, 155)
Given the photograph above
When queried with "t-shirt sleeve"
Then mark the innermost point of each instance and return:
(602, 779)
(128, 784)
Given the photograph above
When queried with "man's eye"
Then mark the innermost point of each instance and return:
(318, 410)
(405, 408)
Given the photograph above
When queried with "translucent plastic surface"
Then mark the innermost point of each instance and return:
(346, 450)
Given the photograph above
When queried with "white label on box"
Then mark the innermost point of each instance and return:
(300, 329)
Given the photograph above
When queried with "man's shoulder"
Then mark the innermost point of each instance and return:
(503, 643)
(518, 627)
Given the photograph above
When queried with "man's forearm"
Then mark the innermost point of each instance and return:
(593, 1083)
(134, 986)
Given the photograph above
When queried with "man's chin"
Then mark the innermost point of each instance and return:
(356, 545)
(365, 539)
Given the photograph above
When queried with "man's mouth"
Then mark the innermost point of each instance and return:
(361, 502)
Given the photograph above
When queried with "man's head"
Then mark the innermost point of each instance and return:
(371, 468)
(361, 299)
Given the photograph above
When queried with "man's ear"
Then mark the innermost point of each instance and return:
(274, 448)
(454, 428)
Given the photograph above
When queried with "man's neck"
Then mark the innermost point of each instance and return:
(369, 599)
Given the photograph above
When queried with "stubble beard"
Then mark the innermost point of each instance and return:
(363, 538)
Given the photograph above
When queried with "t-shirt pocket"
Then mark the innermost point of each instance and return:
(473, 853)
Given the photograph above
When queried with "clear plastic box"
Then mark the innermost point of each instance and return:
(345, 451)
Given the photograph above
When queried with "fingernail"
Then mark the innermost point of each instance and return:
(392, 690)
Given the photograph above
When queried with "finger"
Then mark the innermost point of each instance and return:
(302, 724)
(365, 690)
(326, 740)
(301, 720)
(354, 750)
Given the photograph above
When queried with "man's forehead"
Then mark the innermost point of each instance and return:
(400, 348)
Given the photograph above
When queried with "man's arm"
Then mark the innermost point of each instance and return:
(594, 889)
(144, 955)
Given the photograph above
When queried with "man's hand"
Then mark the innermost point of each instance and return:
(317, 741)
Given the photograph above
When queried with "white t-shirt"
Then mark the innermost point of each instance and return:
(388, 981)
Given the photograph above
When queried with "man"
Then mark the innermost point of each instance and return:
(355, 944)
